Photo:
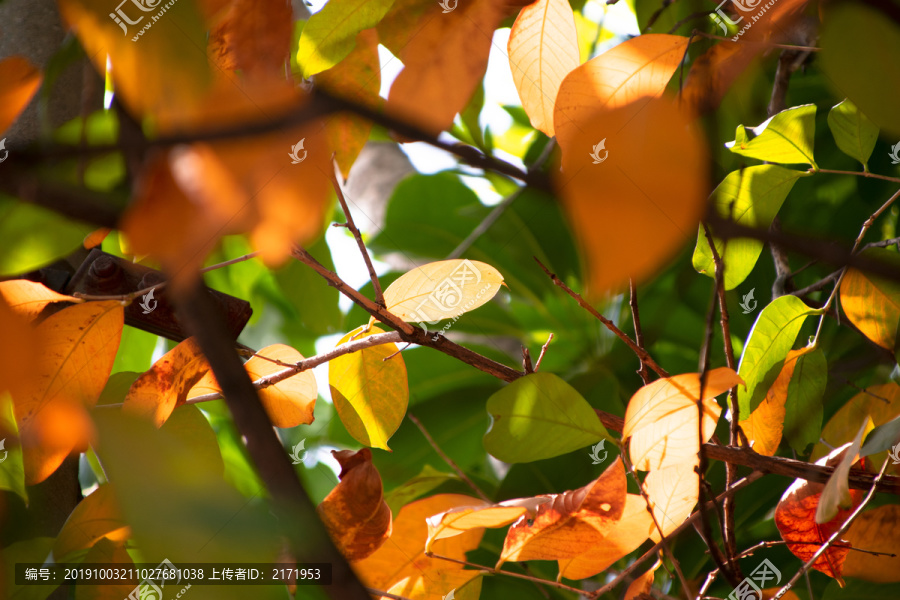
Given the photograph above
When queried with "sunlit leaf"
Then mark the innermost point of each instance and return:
(19, 80)
(540, 416)
(836, 493)
(673, 493)
(457, 521)
(571, 523)
(32, 236)
(643, 583)
(873, 303)
(751, 197)
(95, 517)
(28, 298)
(79, 345)
(543, 49)
(370, 390)
(876, 530)
(355, 513)
(331, 33)
(662, 417)
(853, 132)
(786, 138)
(768, 345)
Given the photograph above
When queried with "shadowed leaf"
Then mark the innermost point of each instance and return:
(19, 80)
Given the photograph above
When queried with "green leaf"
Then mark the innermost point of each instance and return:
(32, 237)
(769, 342)
(12, 470)
(540, 416)
(429, 479)
(35, 550)
(135, 351)
(330, 34)
(786, 138)
(883, 437)
(312, 304)
(803, 407)
(854, 133)
(855, 41)
(751, 197)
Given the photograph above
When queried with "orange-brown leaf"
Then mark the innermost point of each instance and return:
(443, 63)
(19, 80)
(571, 523)
(18, 362)
(95, 517)
(630, 224)
(461, 519)
(877, 530)
(354, 512)
(79, 345)
(96, 237)
(872, 303)
(253, 37)
(543, 49)
(28, 298)
(765, 425)
(641, 586)
(156, 393)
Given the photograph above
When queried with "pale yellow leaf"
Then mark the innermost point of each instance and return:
(673, 493)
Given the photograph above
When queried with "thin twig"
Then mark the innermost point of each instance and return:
(638, 333)
(755, 43)
(537, 365)
(496, 571)
(447, 459)
(858, 174)
(375, 592)
(526, 361)
(642, 354)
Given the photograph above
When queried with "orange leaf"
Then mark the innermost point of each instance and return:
(872, 303)
(629, 224)
(459, 520)
(443, 64)
(662, 417)
(79, 347)
(19, 80)
(641, 586)
(432, 588)
(543, 49)
(253, 38)
(357, 77)
(18, 362)
(673, 494)
(627, 75)
(402, 562)
(795, 518)
(28, 298)
(623, 537)
(156, 393)
(97, 516)
(354, 512)
(877, 530)
(765, 425)
(571, 523)
(95, 238)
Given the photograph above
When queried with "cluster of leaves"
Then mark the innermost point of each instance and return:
(165, 478)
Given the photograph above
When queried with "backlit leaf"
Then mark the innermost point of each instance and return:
(629, 74)
(673, 493)
(540, 416)
(765, 425)
(571, 523)
(873, 303)
(854, 133)
(370, 393)
(355, 513)
(641, 586)
(543, 49)
(79, 345)
(876, 530)
(457, 521)
(19, 80)
(165, 386)
(252, 38)
(604, 186)
(751, 197)
(662, 417)
(95, 517)
(836, 493)
(28, 298)
(786, 138)
(768, 345)
(330, 34)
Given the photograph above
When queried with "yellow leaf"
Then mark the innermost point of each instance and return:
(28, 298)
(543, 49)
(443, 63)
(370, 393)
(622, 538)
(637, 69)
(354, 512)
(357, 77)
(465, 518)
(437, 586)
(95, 517)
(442, 290)
(673, 493)
(630, 223)
(642, 584)
(571, 523)
(19, 80)
(877, 530)
(402, 561)
(765, 425)
(156, 393)
(662, 417)
(79, 345)
(872, 303)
